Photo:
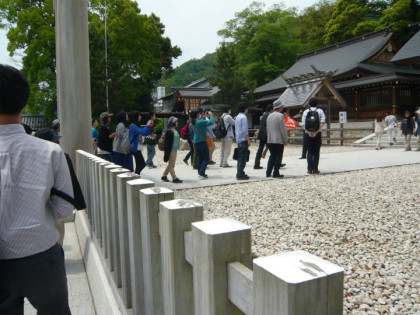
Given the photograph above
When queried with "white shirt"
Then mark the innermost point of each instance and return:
(320, 112)
(29, 168)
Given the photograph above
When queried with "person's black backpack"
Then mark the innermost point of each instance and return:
(221, 130)
(312, 121)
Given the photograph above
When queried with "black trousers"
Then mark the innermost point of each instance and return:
(314, 147)
(276, 157)
(304, 145)
(41, 278)
(191, 153)
(140, 163)
(259, 152)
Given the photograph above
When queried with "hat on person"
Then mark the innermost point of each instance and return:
(47, 134)
(418, 112)
(172, 121)
(277, 104)
(105, 114)
(56, 122)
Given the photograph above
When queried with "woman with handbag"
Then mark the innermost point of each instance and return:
(151, 141)
(171, 149)
(202, 148)
(136, 141)
(122, 155)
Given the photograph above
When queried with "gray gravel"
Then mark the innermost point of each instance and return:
(365, 221)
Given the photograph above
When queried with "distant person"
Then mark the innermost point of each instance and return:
(136, 139)
(195, 157)
(55, 128)
(242, 140)
(392, 124)
(210, 134)
(276, 140)
(418, 129)
(313, 120)
(171, 149)
(304, 140)
(95, 135)
(151, 141)
(408, 125)
(199, 127)
(32, 264)
(262, 137)
(121, 145)
(226, 142)
(105, 138)
(379, 130)
(188, 135)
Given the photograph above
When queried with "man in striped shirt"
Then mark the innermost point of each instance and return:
(31, 261)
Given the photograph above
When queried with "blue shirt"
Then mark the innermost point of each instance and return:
(94, 133)
(135, 132)
(200, 129)
(241, 128)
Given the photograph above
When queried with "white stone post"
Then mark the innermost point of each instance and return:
(297, 283)
(114, 250)
(73, 75)
(176, 217)
(135, 250)
(123, 226)
(102, 200)
(215, 244)
(106, 230)
(152, 259)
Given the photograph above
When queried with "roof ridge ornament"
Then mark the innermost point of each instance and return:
(316, 75)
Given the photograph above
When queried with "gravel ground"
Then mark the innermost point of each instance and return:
(365, 221)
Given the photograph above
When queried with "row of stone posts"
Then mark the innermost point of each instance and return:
(167, 260)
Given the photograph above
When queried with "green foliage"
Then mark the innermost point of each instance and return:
(138, 53)
(266, 42)
(188, 72)
(227, 76)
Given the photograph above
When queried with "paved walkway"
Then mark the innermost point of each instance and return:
(329, 163)
(80, 298)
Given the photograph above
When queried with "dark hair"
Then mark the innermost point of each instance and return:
(313, 102)
(388, 112)
(121, 117)
(379, 117)
(406, 112)
(227, 109)
(152, 114)
(134, 117)
(270, 107)
(200, 110)
(93, 120)
(27, 128)
(242, 107)
(194, 114)
(104, 120)
(14, 90)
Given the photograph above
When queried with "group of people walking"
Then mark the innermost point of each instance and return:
(409, 127)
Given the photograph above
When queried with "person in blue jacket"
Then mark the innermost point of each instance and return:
(136, 135)
(199, 127)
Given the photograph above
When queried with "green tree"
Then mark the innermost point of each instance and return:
(312, 24)
(226, 76)
(266, 42)
(138, 53)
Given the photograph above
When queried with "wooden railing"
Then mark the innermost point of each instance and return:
(167, 260)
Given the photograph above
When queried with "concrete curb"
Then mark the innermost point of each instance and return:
(105, 294)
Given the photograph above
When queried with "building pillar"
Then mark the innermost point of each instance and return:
(73, 75)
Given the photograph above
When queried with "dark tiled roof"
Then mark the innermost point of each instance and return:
(196, 93)
(35, 121)
(410, 52)
(298, 94)
(343, 56)
(388, 68)
(271, 97)
(382, 78)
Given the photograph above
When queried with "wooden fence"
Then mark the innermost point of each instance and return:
(167, 260)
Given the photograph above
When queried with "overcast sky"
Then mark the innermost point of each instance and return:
(190, 24)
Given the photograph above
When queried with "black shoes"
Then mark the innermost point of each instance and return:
(244, 177)
(282, 164)
(212, 162)
(302, 157)
(258, 167)
(278, 176)
(165, 179)
(185, 161)
(177, 181)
